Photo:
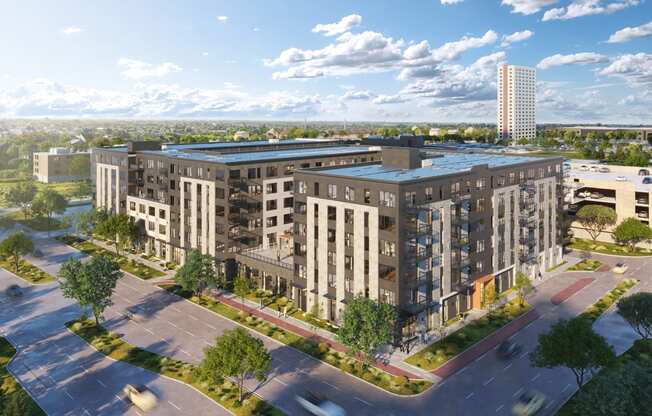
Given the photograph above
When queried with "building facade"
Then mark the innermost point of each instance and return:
(516, 111)
(61, 165)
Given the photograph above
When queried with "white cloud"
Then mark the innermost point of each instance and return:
(256, 29)
(636, 69)
(390, 99)
(452, 50)
(358, 95)
(135, 69)
(516, 37)
(204, 54)
(582, 58)
(72, 30)
(222, 18)
(579, 8)
(630, 33)
(451, 1)
(527, 7)
(344, 25)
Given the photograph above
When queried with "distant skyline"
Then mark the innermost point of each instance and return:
(423, 60)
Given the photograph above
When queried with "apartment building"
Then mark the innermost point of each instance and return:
(427, 233)
(627, 135)
(60, 165)
(626, 189)
(516, 111)
(219, 203)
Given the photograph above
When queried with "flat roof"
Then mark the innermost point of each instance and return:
(248, 157)
(618, 177)
(446, 164)
(242, 143)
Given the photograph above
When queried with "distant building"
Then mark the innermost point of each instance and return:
(643, 135)
(272, 134)
(434, 132)
(60, 165)
(241, 135)
(516, 102)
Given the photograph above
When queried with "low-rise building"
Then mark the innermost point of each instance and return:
(61, 165)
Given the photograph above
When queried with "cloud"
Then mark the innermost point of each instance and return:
(630, 33)
(344, 25)
(358, 95)
(72, 30)
(135, 69)
(579, 8)
(446, 2)
(452, 50)
(527, 7)
(222, 18)
(204, 54)
(516, 37)
(586, 107)
(582, 58)
(256, 29)
(635, 69)
(390, 99)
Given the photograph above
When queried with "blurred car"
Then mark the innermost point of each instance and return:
(141, 397)
(647, 180)
(604, 169)
(594, 168)
(584, 168)
(14, 291)
(621, 179)
(507, 350)
(319, 405)
(37, 253)
(643, 172)
(529, 403)
(620, 268)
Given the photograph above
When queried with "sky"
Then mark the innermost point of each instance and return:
(336, 60)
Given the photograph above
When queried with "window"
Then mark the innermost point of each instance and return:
(141, 208)
(386, 223)
(386, 272)
(331, 258)
(288, 202)
(152, 211)
(271, 171)
(387, 296)
(410, 198)
(367, 196)
(348, 262)
(332, 191)
(480, 205)
(151, 226)
(478, 266)
(300, 229)
(479, 246)
(270, 205)
(219, 210)
(271, 222)
(428, 193)
(387, 248)
(132, 206)
(288, 186)
(301, 187)
(161, 229)
(349, 193)
(300, 270)
(331, 280)
(348, 216)
(161, 213)
(270, 188)
(348, 284)
(387, 199)
(331, 236)
(287, 219)
(219, 193)
(348, 239)
(316, 188)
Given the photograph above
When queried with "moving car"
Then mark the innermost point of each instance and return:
(620, 268)
(594, 168)
(141, 397)
(529, 403)
(14, 291)
(318, 405)
(507, 350)
(584, 168)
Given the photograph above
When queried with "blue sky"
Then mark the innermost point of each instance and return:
(431, 60)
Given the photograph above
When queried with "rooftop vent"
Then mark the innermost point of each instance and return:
(401, 157)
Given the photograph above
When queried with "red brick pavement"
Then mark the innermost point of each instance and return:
(571, 290)
(463, 359)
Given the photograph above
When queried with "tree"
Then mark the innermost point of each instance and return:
(79, 166)
(91, 284)
(236, 354)
(84, 189)
(241, 287)
(489, 295)
(119, 229)
(595, 219)
(630, 232)
(573, 344)
(366, 325)
(48, 202)
(637, 311)
(15, 246)
(197, 272)
(88, 221)
(523, 286)
(21, 195)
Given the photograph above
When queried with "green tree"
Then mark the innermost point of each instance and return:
(83, 189)
(79, 166)
(91, 283)
(366, 325)
(88, 221)
(523, 286)
(18, 404)
(235, 354)
(15, 246)
(573, 344)
(241, 287)
(197, 272)
(630, 232)
(48, 202)
(595, 219)
(119, 229)
(637, 311)
(21, 195)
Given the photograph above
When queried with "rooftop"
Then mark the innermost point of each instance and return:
(618, 177)
(446, 164)
(243, 143)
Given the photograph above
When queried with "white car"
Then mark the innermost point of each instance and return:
(621, 179)
(620, 268)
(594, 169)
(141, 397)
(584, 168)
(529, 403)
(318, 405)
(604, 169)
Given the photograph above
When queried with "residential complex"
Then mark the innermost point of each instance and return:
(516, 112)
(61, 165)
(619, 135)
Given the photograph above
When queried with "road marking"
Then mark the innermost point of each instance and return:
(174, 325)
(529, 325)
(86, 411)
(519, 391)
(209, 325)
(67, 394)
(150, 331)
(499, 408)
(524, 355)
(207, 343)
(174, 405)
(118, 397)
(280, 381)
(85, 370)
(513, 335)
(536, 377)
(190, 333)
(174, 308)
(549, 404)
(479, 358)
(193, 317)
(185, 352)
(470, 395)
(507, 367)
(486, 383)
(329, 384)
(362, 401)
(100, 383)
(496, 347)
(566, 388)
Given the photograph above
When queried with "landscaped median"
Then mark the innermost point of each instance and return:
(27, 271)
(606, 248)
(115, 347)
(128, 265)
(586, 265)
(13, 399)
(442, 351)
(321, 350)
(594, 311)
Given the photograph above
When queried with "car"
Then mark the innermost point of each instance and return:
(567, 166)
(594, 168)
(528, 403)
(584, 168)
(318, 405)
(643, 172)
(621, 179)
(140, 397)
(647, 180)
(620, 268)
(14, 291)
(507, 350)
(604, 169)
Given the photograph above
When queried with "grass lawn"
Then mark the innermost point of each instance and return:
(594, 311)
(556, 267)
(443, 350)
(606, 248)
(115, 347)
(128, 265)
(586, 265)
(37, 223)
(553, 153)
(11, 393)
(67, 189)
(321, 351)
(27, 271)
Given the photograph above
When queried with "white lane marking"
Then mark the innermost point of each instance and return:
(86, 412)
(566, 388)
(524, 355)
(507, 367)
(193, 317)
(499, 408)
(67, 394)
(513, 335)
(190, 333)
(118, 397)
(462, 370)
(549, 404)
(83, 369)
(362, 401)
(278, 380)
(150, 331)
(529, 325)
(468, 396)
(209, 325)
(185, 352)
(207, 343)
(479, 358)
(535, 377)
(174, 405)
(100, 383)
(173, 324)
(488, 381)
(519, 391)
(329, 384)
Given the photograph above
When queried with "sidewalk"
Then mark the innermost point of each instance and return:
(169, 274)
